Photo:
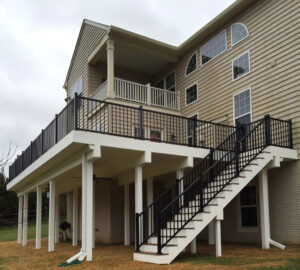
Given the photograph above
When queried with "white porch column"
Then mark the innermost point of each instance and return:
(69, 212)
(110, 68)
(218, 238)
(179, 175)
(20, 220)
(89, 210)
(264, 209)
(194, 246)
(51, 216)
(83, 201)
(38, 228)
(211, 233)
(94, 213)
(75, 218)
(138, 189)
(25, 219)
(149, 201)
(126, 215)
(57, 206)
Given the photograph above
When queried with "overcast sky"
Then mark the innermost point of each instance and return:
(37, 38)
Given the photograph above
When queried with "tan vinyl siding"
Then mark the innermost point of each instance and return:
(274, 36)
(90, 38)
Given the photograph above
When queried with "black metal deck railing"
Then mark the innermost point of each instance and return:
(93, 115)
(172, 211)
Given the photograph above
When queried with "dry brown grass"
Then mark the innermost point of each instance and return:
(119, 257)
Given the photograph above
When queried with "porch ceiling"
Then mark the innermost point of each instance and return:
(135, 56)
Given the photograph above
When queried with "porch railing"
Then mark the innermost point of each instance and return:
(94, 115)
(140, 93)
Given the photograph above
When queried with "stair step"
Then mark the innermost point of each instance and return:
(167, 245)
(152, 253)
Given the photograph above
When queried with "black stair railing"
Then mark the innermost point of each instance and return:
(222, 165)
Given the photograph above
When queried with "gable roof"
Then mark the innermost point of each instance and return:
(218, 22)
(84, 22)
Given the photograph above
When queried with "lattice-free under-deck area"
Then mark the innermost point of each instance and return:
(120, 257)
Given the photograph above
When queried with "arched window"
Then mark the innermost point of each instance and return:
(192, 64)
(239, 32)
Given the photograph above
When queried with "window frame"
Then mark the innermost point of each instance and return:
(248, 228)
(250, 112)
(232, 45)
(194, 53)
(185, 91)
(226, 47)
(232, 68)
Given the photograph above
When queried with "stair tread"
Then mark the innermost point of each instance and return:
(152, 253)
(167, 245)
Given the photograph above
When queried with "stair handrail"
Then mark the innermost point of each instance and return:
(202, 183)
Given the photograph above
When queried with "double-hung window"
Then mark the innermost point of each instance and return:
(167, 82)
(191, 94)
(241, 66)
(242, 107)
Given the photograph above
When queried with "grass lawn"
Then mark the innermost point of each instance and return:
(118, 257)
(10, 233)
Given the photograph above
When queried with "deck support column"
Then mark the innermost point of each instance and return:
(126, 214)
(87, 207)
(150, 201)
(194, 246)
(211, 233)
(38, 229)
(110, 47)
(179, 175)
(94, 213)
(57, 208)
(264, 208)
(25, 219)
(52, 193)
(75, 218)
(20, 219)
(139, 194)
(218, 239)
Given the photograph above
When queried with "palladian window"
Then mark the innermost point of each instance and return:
(192, 64)
(238, 33)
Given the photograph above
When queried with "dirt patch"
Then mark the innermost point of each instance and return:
(239, 257)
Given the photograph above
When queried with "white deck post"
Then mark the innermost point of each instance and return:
(25, 219)
(264, 209)
(126, 215)
(149, 201)
(83, 200)
(211, 233)
(75, 218)
(179, 175)
(57, 206)
(218, 238)
(139, 194)
(20, 219)
(89, 210)
(51, 216)
(94, 213)
(148, 94)
(110, 68)
(38, 229)
(194, 246)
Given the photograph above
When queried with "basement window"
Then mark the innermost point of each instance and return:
(248, 206)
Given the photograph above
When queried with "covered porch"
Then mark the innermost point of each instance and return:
(124, 69)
